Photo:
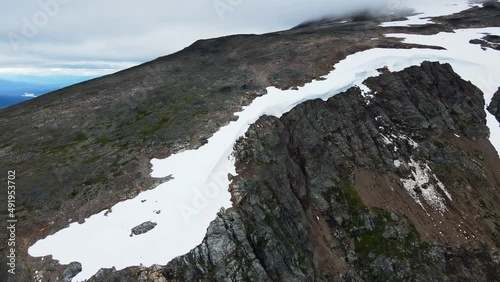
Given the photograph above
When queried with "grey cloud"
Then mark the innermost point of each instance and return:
(138, 31)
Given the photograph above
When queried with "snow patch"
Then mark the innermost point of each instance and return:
(386, 140)
(426, 9)
(424, 184)
(390, 140)
(367, 93)
(199, 187)
(410, 141)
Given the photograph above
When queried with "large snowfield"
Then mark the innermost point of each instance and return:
(184, 207)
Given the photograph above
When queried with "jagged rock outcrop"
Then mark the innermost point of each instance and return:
(494, 106)
(73, 269)
(398, 185)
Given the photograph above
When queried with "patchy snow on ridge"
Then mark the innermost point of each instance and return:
(410, 141)
(479, 66)
(199, 189)
(390, 140)
(386, 140)
(426, 9)
(366, 92)
(421, 185)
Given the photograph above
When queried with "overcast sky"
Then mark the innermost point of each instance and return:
(95, 37)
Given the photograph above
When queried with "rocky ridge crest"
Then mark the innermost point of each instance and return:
(400, 184)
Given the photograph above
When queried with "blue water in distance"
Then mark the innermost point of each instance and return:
(14, 91)
(6, 101)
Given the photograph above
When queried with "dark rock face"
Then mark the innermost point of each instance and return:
(494, 107)
(485, 43)
(320, 193)
(143, 228)
(70, 272)
(492, 38)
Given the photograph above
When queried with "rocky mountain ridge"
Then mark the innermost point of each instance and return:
(320, 193)
(100, 135)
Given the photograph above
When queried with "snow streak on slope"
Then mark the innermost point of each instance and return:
(426, 182)
(184, 206)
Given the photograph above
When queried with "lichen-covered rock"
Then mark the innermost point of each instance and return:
(143, 228)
